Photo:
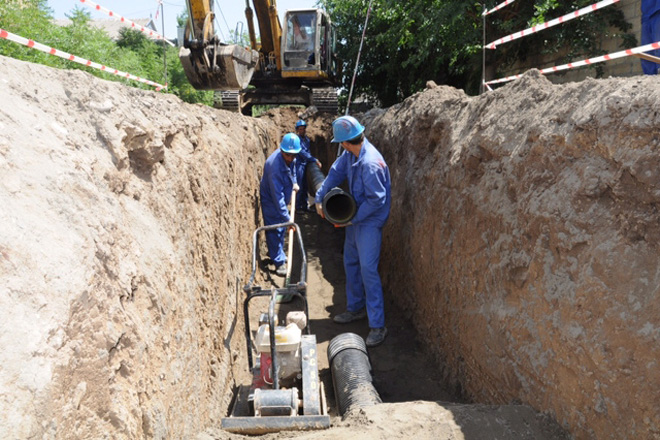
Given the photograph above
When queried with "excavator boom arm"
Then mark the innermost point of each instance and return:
(199, 12)
(270, 28)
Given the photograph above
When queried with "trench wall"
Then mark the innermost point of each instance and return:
(529, 219)
(127, 220)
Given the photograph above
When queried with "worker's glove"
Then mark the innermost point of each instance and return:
(318, 162)
(296, 188)
(319, 209)
(343, 225)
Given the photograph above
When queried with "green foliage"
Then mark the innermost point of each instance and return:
(30, 19)
(579, 38)
(259, 110)
(409, 42)
(133, 52)
(182, 18)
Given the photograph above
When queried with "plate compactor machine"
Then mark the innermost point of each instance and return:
(285, 393)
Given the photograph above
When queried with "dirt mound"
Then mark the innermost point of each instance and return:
(119, 300)
(530, 227)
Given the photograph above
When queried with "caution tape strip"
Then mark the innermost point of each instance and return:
(149, 32)
(498, 7)
(67, 56)
(608, 57)
(548, 24)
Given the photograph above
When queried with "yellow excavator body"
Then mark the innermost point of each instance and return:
(290, 64)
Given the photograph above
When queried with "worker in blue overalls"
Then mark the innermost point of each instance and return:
(277, 185)
(304, 157)
(369, 182)
(650, 32)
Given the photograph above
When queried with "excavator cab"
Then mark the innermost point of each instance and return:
(296, 63)
(208, 63)
(308, 45)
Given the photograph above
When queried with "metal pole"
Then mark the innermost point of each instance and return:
(357, 61)
(287, 279)
(162, 17)
(483, 54)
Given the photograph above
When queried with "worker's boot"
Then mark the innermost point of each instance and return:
(376, 337)
(348, 316)
(281, 270)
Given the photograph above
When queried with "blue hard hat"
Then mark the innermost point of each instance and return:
(290, 143)
(346, 128)
(301, 123)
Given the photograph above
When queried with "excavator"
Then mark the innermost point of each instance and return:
(294, 64)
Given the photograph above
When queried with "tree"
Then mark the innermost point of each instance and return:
(409, 42)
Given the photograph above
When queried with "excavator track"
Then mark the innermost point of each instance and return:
(227, 100)
(325, 100)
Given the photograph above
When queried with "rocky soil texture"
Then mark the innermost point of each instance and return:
(529, 218)
(522, 248)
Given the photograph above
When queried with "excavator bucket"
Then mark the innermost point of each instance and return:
(219, 66)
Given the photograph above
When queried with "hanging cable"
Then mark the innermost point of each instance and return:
(482, 88)
(162, 18)
(217, 5)
(357, 61)
(216, 22)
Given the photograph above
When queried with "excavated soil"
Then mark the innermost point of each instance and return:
(519, 263)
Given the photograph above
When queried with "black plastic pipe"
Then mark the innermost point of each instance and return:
(339, 207)
(351, 372)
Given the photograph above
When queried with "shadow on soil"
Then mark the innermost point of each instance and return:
(402, 369)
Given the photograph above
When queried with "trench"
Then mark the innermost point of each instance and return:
(520, 260)
(402, 356)
(404, 369)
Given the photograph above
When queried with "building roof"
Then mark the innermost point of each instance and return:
(112, 26)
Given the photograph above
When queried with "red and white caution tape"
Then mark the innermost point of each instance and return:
(498, 7)
(563, 19)
(608, 57)
(67, 56)
(147, 31)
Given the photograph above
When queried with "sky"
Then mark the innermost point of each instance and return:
(233, 11)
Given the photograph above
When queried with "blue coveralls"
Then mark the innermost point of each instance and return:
(304, 157)
(275, 193)
(650, 32)
(370, 185)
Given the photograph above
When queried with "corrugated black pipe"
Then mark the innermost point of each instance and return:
(351, 372)
(339, 207)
